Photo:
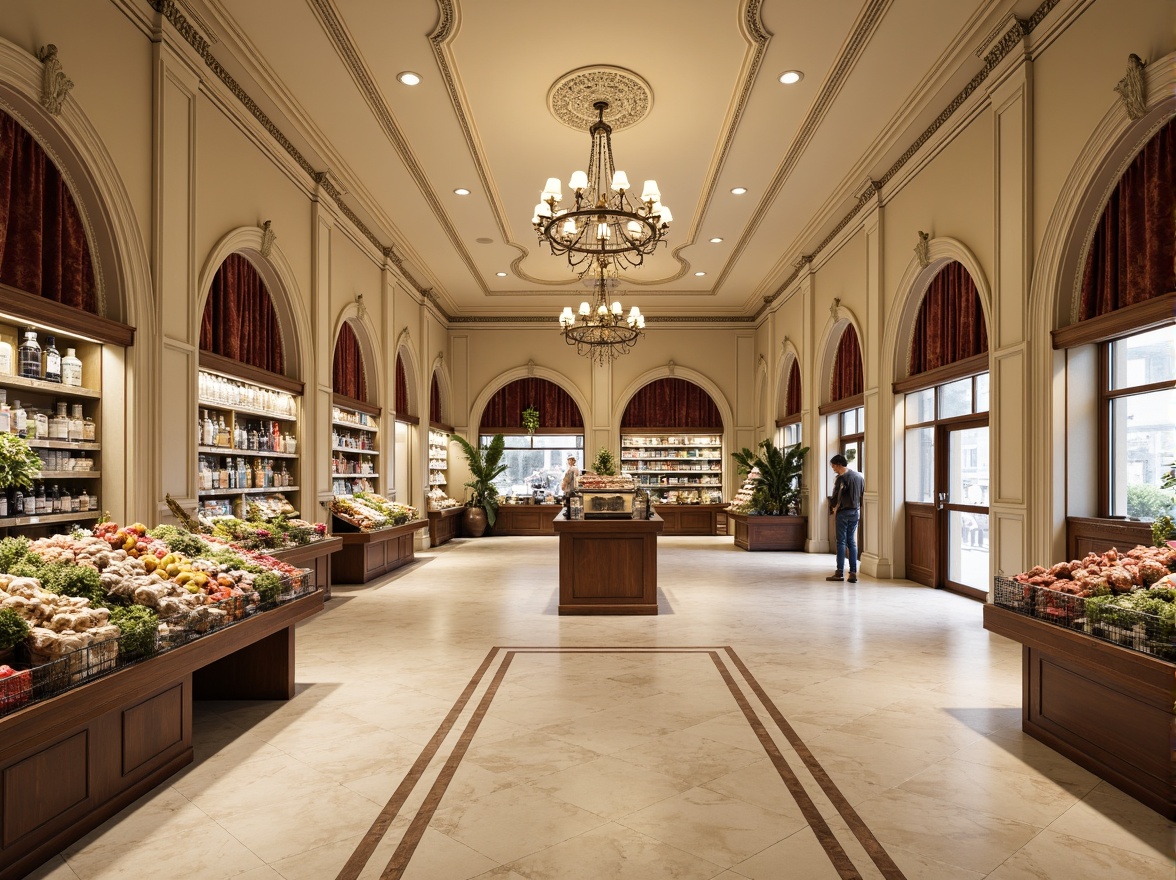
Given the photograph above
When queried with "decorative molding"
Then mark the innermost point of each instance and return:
(1132, 88)
(923, 249)
(1014, 34)
(867, 188)
(360, 308)
(629, 97)
(171, 12)
(403, 339)
(694, 320)
(531, 368)
(268, 237)
(802, 261)
(1006, 28)
(671, 366)
(834, 307)
(55, 85)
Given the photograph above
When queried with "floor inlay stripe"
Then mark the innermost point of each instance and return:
(841, 860)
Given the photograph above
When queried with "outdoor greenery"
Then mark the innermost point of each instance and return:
(1146, 502)
(485, 465)
(777, 492)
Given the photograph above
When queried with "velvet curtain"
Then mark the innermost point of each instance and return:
(347, 374)
(847, 367)
(792, 394)
(401, 389)
(43, 247)
(239, 319)
(950, 326)
(557, 409)
(672, 403)
(1132, 253)
(435, 401)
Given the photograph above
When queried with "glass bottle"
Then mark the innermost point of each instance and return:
(76, 423)
(3, 503)
(65, 502)
(71, 369)
(258, 474)
(89, 430)
(75, 502)
(269, 475)
(5, 363)
(20, 420)
(17, 508)
(206, 432)
(242, 470)
(59, 424)
(83, 500)
(276, 437)
(29, 355)
(252, 437)
(5, 413)
(51, 361)
(223, 473)
(94, 501)
(39, 424)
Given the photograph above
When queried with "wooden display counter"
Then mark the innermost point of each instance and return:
(71, 762)
(367, 555)
(316, 557)
(525, 519)
(691, 519)
(1106, 708)
(445, 525)
(608, 566)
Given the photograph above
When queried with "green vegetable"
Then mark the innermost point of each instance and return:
(67, 579)
(268, 586)
(138, 627)
(180, 541)
(12, 552)
(13, 629)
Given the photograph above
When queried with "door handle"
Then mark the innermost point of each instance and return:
(941, 497)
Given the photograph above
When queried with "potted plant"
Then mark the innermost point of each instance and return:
(19, 465)
(485, 466)
(771, 520)
(531, 419)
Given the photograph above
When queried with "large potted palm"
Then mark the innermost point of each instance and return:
(485, 466)
(770, 519)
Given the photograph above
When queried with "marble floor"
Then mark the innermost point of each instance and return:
(766, 724)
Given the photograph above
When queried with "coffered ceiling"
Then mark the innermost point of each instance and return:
(876, 74)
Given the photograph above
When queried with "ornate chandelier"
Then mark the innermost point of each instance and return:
(605, 224)
(602, 332)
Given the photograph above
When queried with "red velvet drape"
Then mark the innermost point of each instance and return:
(557, 409)
(347, 374)
(435, 401)
(401, 389)
(950, 325)
(792, 394)
(847, 367)
(672, 403)
(1132, 253)
(43, 247)
(239, 319)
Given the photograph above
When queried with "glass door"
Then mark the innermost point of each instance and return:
(963, 506)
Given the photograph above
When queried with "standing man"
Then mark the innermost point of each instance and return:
(847, 506)
(568, 483)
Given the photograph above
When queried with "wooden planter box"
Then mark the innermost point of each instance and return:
(691, 519)
(445, 525)
(71, 762)
(367, 555)
(768, 532)
(1104, 707)
(316, 557)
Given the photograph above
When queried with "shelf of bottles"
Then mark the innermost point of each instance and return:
(438, 458)
(247, 447)
(355, 451)
(674, 460)
(49, 396)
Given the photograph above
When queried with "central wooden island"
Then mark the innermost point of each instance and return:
(608, 566)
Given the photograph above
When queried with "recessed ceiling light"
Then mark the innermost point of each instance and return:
(461, 191)
(484, 240)
(699, 274)
(716, 240)
(500, 274)
(409, 78)
(739, 190)
(789, 77)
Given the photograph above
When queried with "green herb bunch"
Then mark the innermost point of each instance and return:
(13, 629)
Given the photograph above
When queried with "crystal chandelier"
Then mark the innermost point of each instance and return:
(602, 332)
(605, 224)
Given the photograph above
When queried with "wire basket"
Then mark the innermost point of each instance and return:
(1058, 608)
(1136, 630)
(15, 691)
(53, 673)
(1012, 594)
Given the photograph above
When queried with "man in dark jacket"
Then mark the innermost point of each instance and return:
(847, 506)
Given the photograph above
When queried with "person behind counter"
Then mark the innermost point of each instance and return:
(568, 483)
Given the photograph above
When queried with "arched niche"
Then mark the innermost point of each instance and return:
(842, 371)
(352, 373)
(558, 410)
(522, 372)
(406, 386)
(790, 388)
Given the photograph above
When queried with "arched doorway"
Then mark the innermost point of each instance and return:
(946, 437)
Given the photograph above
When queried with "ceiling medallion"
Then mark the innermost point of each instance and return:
(572, 98)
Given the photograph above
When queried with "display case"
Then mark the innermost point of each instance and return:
(247, 447)
(52, 398)
(675, 465)
(438, 458)
(355, 447)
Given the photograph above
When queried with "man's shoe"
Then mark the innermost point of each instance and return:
(852, 578)
(835, 577)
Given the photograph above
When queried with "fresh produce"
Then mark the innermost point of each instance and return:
(368, 511)
(13, 629)
(139, 630)
(1097, 574)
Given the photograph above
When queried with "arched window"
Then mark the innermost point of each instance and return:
(846, 380)
(401, 388)
(348, 376)
(43, 247)
(435, 414)
(239, 319)
(535, 461)
(671, 403)
(790, 432)
(557, 410)
(950, 325)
